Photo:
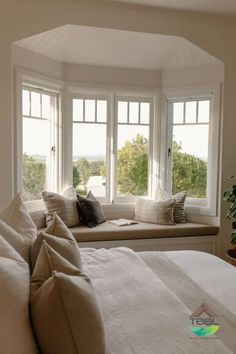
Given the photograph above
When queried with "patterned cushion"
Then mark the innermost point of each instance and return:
(179, 213)
(154, 211)
(64, 205)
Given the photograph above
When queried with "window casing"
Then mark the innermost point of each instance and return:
(40, 155)
(160, 136)
(123, 119)
(195, 99)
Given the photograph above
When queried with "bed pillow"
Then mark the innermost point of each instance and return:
(154, 211)
(179, 211)
(17, 241)
(58, 236)
(64, 205)
(90, 210)
(65, 313)
(16, 216)
(48, 261)
(16, 334)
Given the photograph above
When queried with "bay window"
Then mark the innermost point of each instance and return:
(120, 145)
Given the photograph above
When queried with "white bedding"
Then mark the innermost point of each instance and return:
(143, 314)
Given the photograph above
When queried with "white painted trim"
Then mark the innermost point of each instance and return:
(51, 85)
(198, 243)
(200, 91)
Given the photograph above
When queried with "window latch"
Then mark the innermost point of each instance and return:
(53, 149)
(169, 152)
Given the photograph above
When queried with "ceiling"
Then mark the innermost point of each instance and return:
(116, 48)
(212, 6)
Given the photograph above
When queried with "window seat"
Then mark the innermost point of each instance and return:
(141, 236)
(108, 231)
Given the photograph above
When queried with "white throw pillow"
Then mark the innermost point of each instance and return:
(64, 205)
(16, 335)
(17, 241)
(60, 238)
(154, 211)
(16, 215)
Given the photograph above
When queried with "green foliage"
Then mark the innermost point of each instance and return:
(230, 197)
(76, 176)
(83, 169)
(132, 162)
(34, 179)
(188, 173)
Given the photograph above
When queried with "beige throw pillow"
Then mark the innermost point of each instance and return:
(17, 241)
(179, 211)
(64, 205)
(154, 211)
(16, 215)
(48, 261)
(16, 335)
(59, 237)
(65, 313)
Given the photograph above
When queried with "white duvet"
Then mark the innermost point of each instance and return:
(144, 307)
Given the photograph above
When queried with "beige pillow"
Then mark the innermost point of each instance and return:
(64, 205)
(154, 211)
(16, 335)
(17, 241)
(16, 215)
(65, 313)
(59, 237)
(48, 261)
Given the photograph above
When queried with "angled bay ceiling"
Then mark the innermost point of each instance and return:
(116, 48)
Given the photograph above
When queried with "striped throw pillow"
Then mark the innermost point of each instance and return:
(154, 211)
(179, 211)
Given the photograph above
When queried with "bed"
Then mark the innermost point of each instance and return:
(147, 299)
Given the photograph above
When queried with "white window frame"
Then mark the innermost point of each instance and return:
(198, 206)
(140, 99)
(41, 83)
(112, 96)
(107, 98)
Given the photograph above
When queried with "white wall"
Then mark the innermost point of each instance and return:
(119, 77)
(213, 33)
(208, 74)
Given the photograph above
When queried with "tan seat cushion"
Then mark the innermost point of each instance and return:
(108, 231)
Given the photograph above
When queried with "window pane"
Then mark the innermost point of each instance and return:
(132, 160)
(203, 111)
(133, 112)
(191, 112)
(190, 155)
(78, 110)
(46, 106)
(178, 112)
(101, 111)
(144, 113)
(26, 102)
(89, 158)
(122, 112)
(36, 150)
(35, 104)
(90, 110)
